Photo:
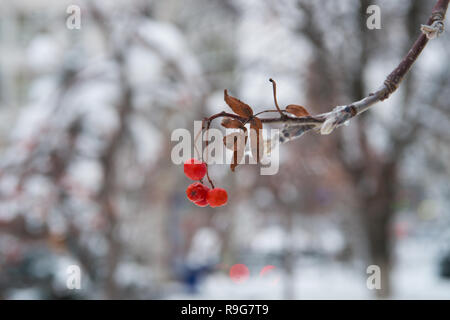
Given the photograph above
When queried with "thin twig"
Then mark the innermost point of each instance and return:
(274, 85)
(208, 125)
(267, 111)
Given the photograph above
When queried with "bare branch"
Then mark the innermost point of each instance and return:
(327, 122)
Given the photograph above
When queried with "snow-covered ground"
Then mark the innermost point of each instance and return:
(414, 276)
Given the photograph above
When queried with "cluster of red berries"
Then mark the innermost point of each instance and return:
(197, 192)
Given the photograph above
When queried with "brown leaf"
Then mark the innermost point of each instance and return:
(234, 164)
(238, 106)
(256, 140)
(232, 123)
(296, 110)
(236, 142)
(229, 140)
(256, 124)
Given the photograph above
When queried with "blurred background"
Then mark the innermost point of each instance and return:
(86, 176)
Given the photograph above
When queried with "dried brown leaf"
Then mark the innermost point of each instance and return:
(239, 107)
(256, 124)
(256, 141)
(235, 163)
(229, 140)
(232, 123)
(236, 142)
(297, 111)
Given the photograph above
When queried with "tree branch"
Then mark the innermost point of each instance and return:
(327, 122)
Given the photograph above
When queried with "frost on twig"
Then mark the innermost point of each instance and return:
(335, 118)
(291, 132)
(327, 123)
(433, 31)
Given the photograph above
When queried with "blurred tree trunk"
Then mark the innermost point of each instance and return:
(377, 210)
(376, 206)
(288, 257)
(373, 175)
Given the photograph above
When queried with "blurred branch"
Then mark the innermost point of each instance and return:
(106, 194)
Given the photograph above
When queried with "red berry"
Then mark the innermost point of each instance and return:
(202, 203)
(239, 273)
(194, 169)
(217, 197)
(196, 192)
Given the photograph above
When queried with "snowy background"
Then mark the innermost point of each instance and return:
(86, 177)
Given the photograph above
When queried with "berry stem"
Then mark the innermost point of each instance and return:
(195, 141)
(209, 179)
(266, 111)
(274, 85)
(208, 125)
(225, 114)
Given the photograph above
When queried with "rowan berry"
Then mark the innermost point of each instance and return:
(217, 197)
(194, 169)
(201, 203)
(196, 192)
